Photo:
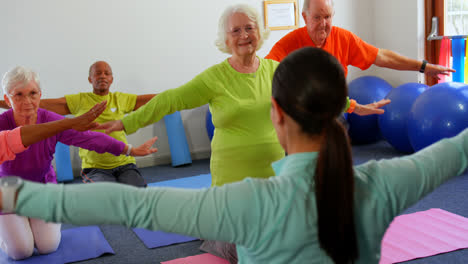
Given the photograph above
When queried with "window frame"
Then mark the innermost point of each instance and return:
(433, 8)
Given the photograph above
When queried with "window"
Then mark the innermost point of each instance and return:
(453, 20)
(456, 17)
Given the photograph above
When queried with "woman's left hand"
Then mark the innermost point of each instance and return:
(371, 109)
(145, 149)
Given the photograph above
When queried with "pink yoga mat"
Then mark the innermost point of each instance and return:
(206, 258)
(423, 234)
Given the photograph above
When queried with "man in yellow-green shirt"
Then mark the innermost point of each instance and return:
(103, 167)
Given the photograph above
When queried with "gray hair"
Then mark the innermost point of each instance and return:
(224, 20)
(305, 7)
(18, 76)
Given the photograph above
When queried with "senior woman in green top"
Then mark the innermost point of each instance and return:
(238, 91)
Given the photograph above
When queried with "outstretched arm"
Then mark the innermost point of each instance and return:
(57, 105)
(407, 179)
(142, 150)
(33, 133)
(111, 126)
(16, 141)
(371, 109)
(143, 99)
(222, 213)
(390, 59)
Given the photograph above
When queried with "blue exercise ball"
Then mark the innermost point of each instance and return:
(454, 85)
(366, 90)
(393, 123)
(209, 125)
(439, 112)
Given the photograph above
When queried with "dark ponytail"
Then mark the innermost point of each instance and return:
(310, 86)
(334, 191)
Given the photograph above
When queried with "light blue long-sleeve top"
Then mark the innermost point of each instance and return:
(271, 220)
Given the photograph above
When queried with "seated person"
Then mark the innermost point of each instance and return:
(103, 166)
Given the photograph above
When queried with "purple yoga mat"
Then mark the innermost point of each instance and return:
(154, 239)
(77, 244)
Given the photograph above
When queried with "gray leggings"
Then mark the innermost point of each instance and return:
(126, 174)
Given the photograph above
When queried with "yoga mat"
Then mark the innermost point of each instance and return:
(423, 234)
(63, 163)
(154, 239)
(194, 182)
(444, 58)
(180, 153)
(77, 244)
(206, 258)
(458, 54)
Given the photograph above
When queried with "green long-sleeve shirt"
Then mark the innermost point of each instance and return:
(271, 220)
(244, 142)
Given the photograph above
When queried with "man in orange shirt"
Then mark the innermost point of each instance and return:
(348, 48)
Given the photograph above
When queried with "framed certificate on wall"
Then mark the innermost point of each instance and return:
(281, 14)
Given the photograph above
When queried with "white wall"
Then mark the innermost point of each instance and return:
(156, 45)
(399, 26)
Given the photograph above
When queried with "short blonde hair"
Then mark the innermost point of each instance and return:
(18, 75)
(224, 20)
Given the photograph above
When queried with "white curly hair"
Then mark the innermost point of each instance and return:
(224, 20)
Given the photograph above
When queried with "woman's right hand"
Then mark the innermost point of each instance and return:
(86, 121)
(111, 126)
(144, 149)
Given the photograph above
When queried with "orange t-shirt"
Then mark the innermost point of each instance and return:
(348, 48)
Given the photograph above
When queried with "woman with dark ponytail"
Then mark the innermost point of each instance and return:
(310, 87)
(317, 209)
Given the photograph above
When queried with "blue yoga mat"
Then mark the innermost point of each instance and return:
(63, 163)
(154, 239)
(194, 182)
(77, 244)
(180, 152)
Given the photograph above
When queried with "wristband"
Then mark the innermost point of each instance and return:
(423, 66)
(129, 150)
(352, 105)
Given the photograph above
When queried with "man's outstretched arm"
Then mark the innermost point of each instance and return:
(57, 105)
(143, 99)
